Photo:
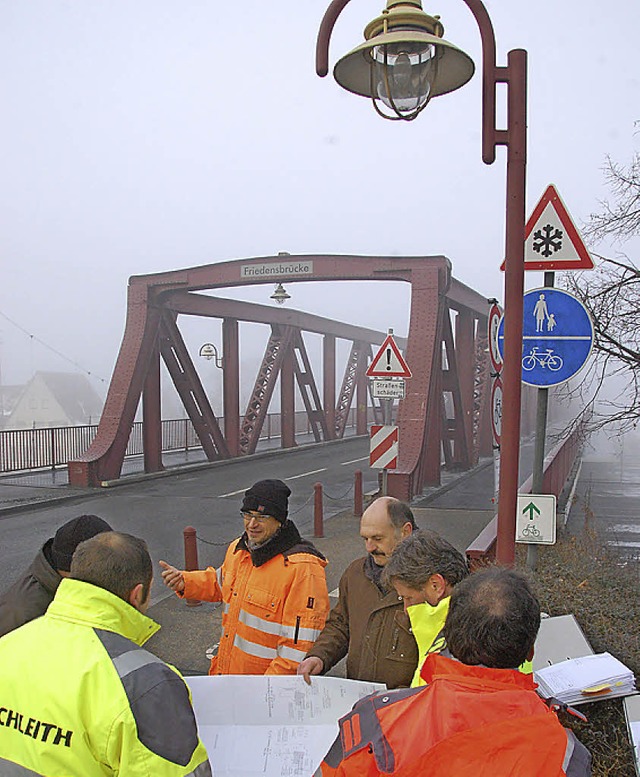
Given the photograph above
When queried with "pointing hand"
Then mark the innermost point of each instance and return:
(172, 577)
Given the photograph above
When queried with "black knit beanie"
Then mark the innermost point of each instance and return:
(270, 497)
(71, 534)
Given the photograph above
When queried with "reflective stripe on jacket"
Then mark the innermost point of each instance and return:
(80, 696)
(427, 624)
(272, 613)
(469, 722)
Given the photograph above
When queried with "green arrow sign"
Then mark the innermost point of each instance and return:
(531, 509)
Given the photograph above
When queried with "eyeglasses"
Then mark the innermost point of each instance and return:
(258, 517)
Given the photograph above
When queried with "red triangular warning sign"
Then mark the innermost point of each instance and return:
(551, 240)
(388, 362)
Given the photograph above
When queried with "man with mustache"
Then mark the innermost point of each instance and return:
(368, 624)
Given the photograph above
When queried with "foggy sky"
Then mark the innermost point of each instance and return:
(140, 136)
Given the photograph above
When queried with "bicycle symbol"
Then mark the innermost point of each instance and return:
(497, 413)
(544, 359)
(530, 531)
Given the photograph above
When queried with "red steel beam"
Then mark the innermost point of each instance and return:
(287, 395)
(231, 384)
(103, 459)
(189, 387)
(416, 448)
(152, 415)
(218, 307)
(329, 383)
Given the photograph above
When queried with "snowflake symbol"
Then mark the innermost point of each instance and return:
(547, 240)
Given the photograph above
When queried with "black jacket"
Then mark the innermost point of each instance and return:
(31, 594)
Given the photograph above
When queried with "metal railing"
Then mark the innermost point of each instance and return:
(51, 447)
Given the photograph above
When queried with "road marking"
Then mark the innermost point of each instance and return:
(354, 461)
(234, 493)
(293, 477)
(306, 474)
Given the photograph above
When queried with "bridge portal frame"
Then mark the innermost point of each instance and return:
(445, 411)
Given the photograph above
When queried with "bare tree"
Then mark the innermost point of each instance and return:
(611, 294)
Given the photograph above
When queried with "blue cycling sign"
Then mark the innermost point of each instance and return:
(557, 337)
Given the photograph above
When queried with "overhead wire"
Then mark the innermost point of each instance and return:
(52, 349)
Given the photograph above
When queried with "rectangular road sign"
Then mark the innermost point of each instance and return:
(536, 519)
(383, 452)
(388, 389)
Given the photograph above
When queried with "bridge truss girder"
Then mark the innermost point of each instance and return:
(444, 416)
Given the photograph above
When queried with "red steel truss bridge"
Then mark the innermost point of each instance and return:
(445, 416)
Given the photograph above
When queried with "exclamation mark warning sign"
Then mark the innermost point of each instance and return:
(388, 362)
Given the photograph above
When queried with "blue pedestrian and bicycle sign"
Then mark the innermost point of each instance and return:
(557, 337)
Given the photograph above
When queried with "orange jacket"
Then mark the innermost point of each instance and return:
(275, 603)
(469, 721)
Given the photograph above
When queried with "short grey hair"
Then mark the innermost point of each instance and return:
(114, 561)
(423, 554)
(400, 513)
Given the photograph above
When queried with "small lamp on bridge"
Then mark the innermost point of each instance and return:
(209, 351)
(280, 295)
(404, 62)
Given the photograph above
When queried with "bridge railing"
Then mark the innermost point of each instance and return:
(558, 465)
(51, 447)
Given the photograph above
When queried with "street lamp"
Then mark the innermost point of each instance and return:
(280, 295)
(208, 351)
(403, 63)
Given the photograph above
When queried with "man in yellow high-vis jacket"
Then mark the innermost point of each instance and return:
(79, 695)
(423, 569)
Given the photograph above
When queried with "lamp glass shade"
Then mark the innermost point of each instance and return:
(454, 67)
(280, 294)
(403, 73)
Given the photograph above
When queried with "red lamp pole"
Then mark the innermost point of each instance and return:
(514, 137)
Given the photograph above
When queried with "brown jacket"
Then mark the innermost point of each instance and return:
(31, 594)
(371, 629)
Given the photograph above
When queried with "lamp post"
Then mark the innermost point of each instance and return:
(403, 63)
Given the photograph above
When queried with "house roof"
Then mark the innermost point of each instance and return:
(74, 393)
(9, 396)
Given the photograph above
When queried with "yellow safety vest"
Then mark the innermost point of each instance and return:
(80, 696)
(427, 623)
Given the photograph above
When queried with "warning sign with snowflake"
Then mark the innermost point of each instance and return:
(552, 241)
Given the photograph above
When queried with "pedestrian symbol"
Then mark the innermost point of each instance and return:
(557, 337)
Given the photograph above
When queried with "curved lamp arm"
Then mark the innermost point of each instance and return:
(327, 24)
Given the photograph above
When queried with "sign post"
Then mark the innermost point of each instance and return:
(563, 335)
(387, 366)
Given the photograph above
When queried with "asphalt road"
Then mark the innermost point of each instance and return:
(208, 499)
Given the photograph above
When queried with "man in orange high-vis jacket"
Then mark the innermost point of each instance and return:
(478, 716)
(272, 585)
